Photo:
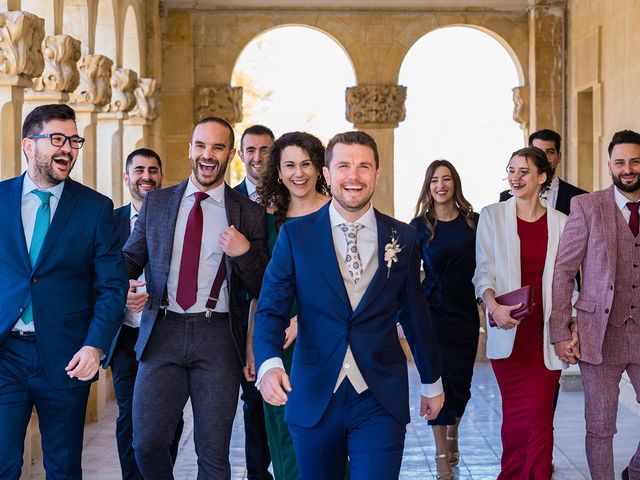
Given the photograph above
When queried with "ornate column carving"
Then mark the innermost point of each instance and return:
(94, 87)
(91, 95)
(220, 100)
(61, 54)
(123, 83)
(521, 107)
(21, 35)
(146, 100)
(376, 105)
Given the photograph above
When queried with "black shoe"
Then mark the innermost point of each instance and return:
(625, 474)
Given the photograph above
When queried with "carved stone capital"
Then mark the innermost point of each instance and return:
(146, 94)
(95, 81)
(521, 106)
(123, 83)
(376, 104)
(219, 100)
(61, 54)
(21, 35)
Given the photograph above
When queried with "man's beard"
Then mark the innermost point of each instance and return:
(626, 187)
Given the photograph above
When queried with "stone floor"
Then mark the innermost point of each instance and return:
(479, 440)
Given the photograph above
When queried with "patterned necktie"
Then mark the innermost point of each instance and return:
(634, 219)
(40, 227)
(188, 277)
(354, 264)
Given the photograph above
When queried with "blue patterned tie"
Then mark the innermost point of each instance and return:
(40, 227)
(354, 264)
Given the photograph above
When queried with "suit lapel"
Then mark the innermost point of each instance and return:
(15, 220)
(609, 210)
(60, 218)
(232, 207)
(171, 216)
(125, 225)
(562, 202)
(324, 250)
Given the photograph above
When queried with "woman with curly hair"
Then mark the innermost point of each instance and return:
(291, 186)
(446, 227)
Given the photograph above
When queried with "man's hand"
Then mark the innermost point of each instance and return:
(233, 243)
(569, 350)
(430, 407)
(291, 332)
(84, 364)
(249, 369)
(136, 300)
(274, 387)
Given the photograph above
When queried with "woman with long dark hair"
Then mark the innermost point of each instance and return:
(446, 227)
(292, 186)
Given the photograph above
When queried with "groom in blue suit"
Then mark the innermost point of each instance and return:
(354, 273)
(63, 285)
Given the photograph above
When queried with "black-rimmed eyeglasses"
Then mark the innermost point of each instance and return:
(59, 139)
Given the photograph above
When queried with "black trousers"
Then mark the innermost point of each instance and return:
(187, 356)
(124, 368)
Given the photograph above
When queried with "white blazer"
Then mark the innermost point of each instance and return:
(498, 268)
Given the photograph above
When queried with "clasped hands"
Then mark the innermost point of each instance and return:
(569, 350)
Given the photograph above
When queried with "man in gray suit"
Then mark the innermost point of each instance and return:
(202, 241)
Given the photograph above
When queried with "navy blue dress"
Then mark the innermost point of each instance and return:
(449, 261)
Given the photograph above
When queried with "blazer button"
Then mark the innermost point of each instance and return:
(611, 287)
(34, 280)
(633, 306)
(606, 310)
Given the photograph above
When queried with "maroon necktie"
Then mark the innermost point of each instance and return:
(634, 219)
(188, 277)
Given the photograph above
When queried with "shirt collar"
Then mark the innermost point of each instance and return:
(132, 212)
(367, 220)
(621, 200)
(29, 186)
(555, 183)
(215, 193)
(250, 186)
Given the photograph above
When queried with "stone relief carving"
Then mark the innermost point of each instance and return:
(61, 54)
(123, 83)
(95, 80)
(376, 104)
(223, 101)
(146, 99)
(521, 106)
(21, 35)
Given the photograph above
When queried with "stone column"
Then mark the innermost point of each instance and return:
(89, 98)
(546, 61)
(110, 133)
(21, 35)
(138, 127)
(521, 108)
(60, 75)
(378, 109)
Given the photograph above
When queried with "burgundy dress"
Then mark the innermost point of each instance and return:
(526, 385)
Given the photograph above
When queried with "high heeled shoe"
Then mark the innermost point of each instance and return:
(454, 455)
(442, 475)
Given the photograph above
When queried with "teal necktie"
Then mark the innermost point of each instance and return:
(40, 227)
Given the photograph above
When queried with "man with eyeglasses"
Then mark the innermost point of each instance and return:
(62, 289)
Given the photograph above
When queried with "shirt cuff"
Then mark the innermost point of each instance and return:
(273, 362)
(431, 390)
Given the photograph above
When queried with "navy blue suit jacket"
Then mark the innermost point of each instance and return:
(242, 188)
(77, 286)
(122, 220)
(150, 247)
(304, 267)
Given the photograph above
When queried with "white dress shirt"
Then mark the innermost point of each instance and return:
(552, 192)
(214, 222)
(367, 247)
(251, 189)
(621, 202)
(29, 205)
(132, 319)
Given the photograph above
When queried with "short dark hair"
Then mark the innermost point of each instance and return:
(624, 136)
(142, 152)
(352, 138)
(37, 117)
(256, 130)
(547, 135)
(540, 160)
(221, 121)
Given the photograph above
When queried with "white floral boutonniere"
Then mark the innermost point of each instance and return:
(391, 251)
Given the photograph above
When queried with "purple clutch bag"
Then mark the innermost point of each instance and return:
(523, 295)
